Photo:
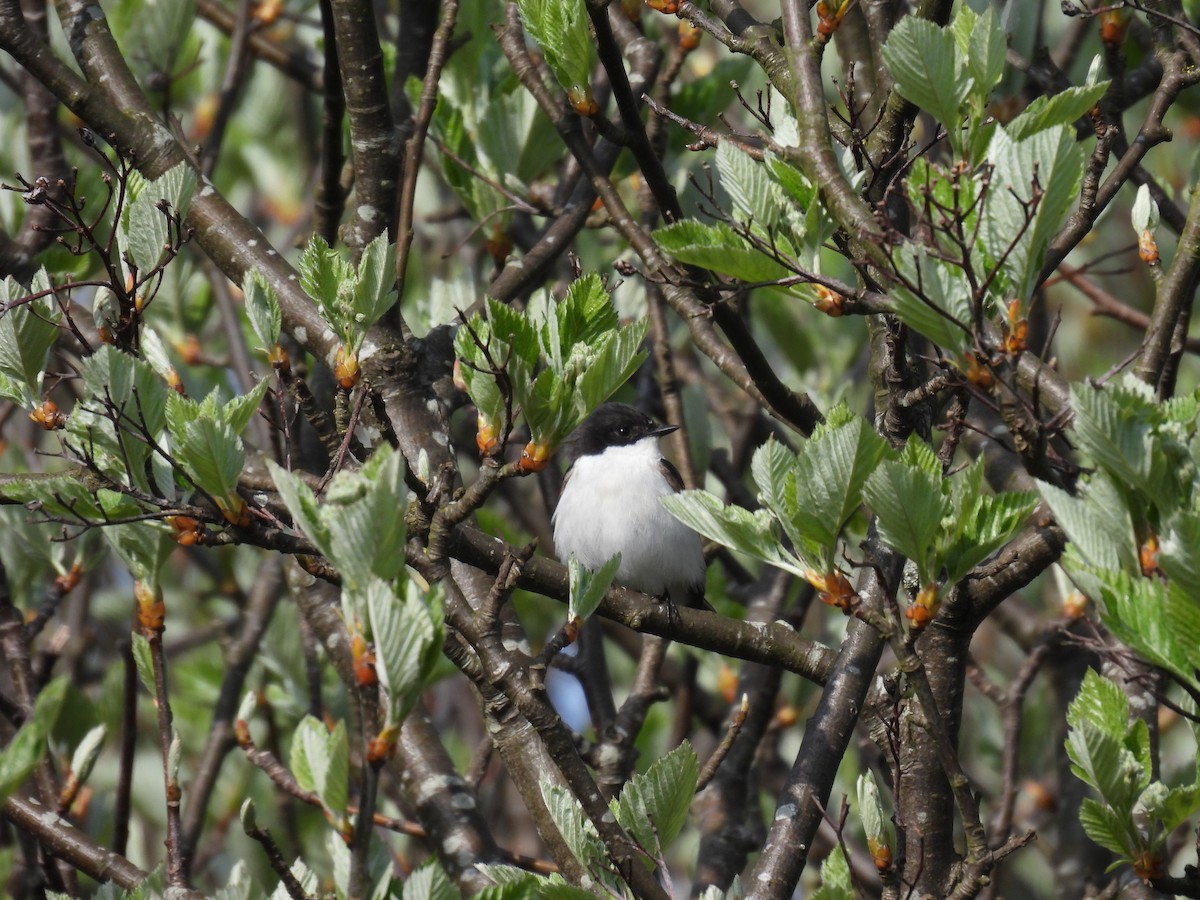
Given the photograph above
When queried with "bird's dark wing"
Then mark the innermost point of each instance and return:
(670, 473)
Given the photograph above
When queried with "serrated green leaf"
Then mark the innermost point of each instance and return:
(982, 44)
(27, 747)
(618, 359)
(262, 308)
(1049, 162)
(27, 332)
(576, 829)
(1063, 108)
(408, 640)
(305, 876)
(320, 762)
(831, 470)
(756, 196)
(928, 70)
(1105, 827)
(143, 662)
(238, 412)
(561, 30)
(583, 316)
(752, 533)
(146, 227)
(984, 526)
(909, 506)
(213, 455)
(1183, 619)
(587, 587)
(302, 503)
(1101, 532)
(938, 305)
(719, 248)
(430, 882)
(87, 751)
(142, 546)
(374, 286)
(653, 806)
(835, 878)
(329, 280)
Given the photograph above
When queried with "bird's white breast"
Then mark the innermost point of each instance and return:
(611, 504)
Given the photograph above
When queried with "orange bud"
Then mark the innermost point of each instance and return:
(236, 514)
(668, 7)
(727, 683)
(1147, 247)
(268, 11)
(1112, 27)
(279, 360)
(69, 579)
(582, 102)
(175, 383)
(189, 350)
(1148, 557)
(786, 716)
(881, 854)
(829, 301)
(345, 368)
(689, 35)
(833, 588)
(535, 457)
(1016, 331)
(1074, 605)
(383, 745)
(977, 374)
(48, 416)
(1149, 865)
(151, 610)
(364, 661)
(485, 435)
(922, 610)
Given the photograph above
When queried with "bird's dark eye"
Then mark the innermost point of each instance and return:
(623, 430)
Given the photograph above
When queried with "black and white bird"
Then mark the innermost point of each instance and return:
(610, 504)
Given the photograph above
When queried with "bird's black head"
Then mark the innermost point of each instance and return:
(614, 425)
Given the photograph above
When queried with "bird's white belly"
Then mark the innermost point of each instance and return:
(611, 504)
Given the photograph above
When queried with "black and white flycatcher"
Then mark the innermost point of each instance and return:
(610, 504)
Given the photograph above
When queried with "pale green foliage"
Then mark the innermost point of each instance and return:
(321, 764)
(835, 878)
(652, 808)
(1112, 753)
(27, 331)
(144, 229)
(560, 28)
(946, 525)
(587, 587)
(350, 300)
(26, 749)
(560, 360)
(262, 309)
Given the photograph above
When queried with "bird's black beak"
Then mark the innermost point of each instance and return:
(663, 430)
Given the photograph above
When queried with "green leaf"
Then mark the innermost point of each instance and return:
(752, 533)
(938, 303)
(213, 455)
(262, 308)
(238, 412)
(909, 506)
(587, 587)
(1063, 108)
(301, 502)
(1106, 828)
(576, 829)
(560, 28)
(1097, 523)
(757, 197)
(362, 526)
(142, 546)
(599, 376)
(984, 526)
(28, 746)
(374, 287)
(719, 248)
(583, 316)
(928, 70)
(831, 471)
(408, 641)
(143, 662)
(835, 878)
(330, 281)
(430, 882)
(982, 43)
(147, 231)
(653, 806)
(27, 332)
(320, 762)
(1051, 162)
